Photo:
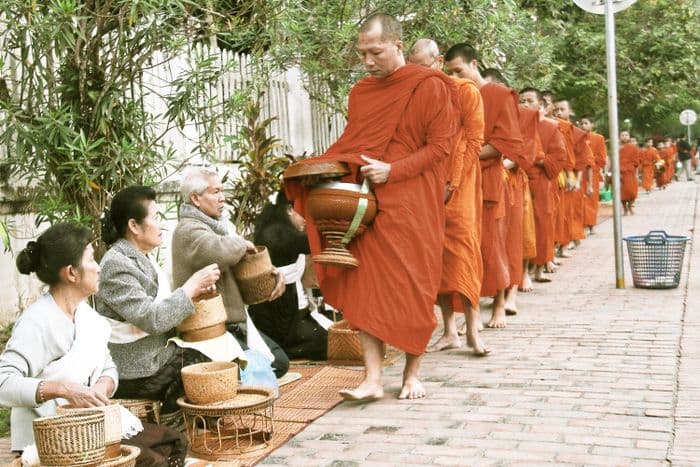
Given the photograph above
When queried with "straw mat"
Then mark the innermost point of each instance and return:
(302, 402)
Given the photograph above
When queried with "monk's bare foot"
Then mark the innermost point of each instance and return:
(474, 341)
(462, 330)
(498, 318)
(445, 343)
(412, 389)
(365, 392)
(550, 268)
(527, 283)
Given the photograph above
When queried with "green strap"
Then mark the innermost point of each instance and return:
(359, 214)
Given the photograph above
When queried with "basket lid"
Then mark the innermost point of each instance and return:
(324, 168)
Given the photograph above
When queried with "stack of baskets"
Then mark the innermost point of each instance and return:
(210, 382)
(112, 425)
(255, 277)
(207, 322)
(77, 437)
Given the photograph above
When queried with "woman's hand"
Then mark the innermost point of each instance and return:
(202, 281)
(77, 395)
(280, 287)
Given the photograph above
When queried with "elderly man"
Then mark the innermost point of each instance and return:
(201, 238)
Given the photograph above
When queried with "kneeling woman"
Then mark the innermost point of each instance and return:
(288, 320)
(58, 352)
(135, 296)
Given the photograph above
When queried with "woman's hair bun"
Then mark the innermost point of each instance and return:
(28, 259)
(109, 230)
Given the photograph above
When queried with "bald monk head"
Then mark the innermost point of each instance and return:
(586, 123)
(624, 137)
(425, 52)
(562, 109)
(649, 143)
(633, 140)
(379, 45)
(462, 61)
(494, 75)
(531, 98)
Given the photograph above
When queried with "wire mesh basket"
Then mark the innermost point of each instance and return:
(656, 259)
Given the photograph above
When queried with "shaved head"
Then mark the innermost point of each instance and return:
(426, 52)
(391, 28)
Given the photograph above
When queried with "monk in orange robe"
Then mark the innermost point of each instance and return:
(402, 122)
(562, 232)
(662, 175)
(650, 156)
(630, 159)
(582, 173)
(462, 268)
(501, 137)
(600, 157)
(549, 161)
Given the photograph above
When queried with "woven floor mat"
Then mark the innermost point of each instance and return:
(302, 402)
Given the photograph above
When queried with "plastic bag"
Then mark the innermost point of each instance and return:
(258, 371)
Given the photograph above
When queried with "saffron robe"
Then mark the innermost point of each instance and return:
(630, 159)
(542, 178)
(649, 157)
(502, 131)
(563, 216)
(600, 156)
(528, 120)
(462, 267)
(584, 159)
(408, 119)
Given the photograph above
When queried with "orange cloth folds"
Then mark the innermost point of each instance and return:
(462, 268)
(408, 119)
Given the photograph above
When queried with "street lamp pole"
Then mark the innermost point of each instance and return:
(614, 142)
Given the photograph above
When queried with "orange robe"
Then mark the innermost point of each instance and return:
(584, 159)
(502, 131)
(543, 176)
(562, 231)
(649, 157)
(600, 155)
(528, 121)
(630, 159)
(462, 268)
(408, 119)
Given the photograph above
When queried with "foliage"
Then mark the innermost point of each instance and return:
(75, 120)
(657, 50)
(259, 168)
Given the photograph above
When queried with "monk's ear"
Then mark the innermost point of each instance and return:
(399, 45)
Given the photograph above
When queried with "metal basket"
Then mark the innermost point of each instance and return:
(656, 259)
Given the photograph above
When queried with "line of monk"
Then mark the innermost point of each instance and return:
(477, 186)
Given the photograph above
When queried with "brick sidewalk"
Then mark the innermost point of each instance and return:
(585, 374)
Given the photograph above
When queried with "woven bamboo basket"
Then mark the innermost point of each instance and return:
(344, 347)
(127, 457)
(113, 425)
(210, 382)
(146, 410)
(70, 439)
(207, 321)
(254, 276)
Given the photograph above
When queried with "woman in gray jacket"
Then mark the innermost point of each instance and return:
(138, 303)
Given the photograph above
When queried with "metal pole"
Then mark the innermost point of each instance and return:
(614, 142)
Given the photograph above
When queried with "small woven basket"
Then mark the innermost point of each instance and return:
(210, 382)
(209, 313)
(344, 347)
(254, 276)
(70, 439)
(127, 457)
(113, 425)
(146, 410)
